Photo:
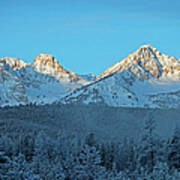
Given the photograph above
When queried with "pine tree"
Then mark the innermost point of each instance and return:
(90, 140)
(19, 168)
(42, 163)
(89, 164)
(148, 148)
(160, 171)
(67, 149)
(174, 154)
(7, 145)
(125, 156)
(4, 165)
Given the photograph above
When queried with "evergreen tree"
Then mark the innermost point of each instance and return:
(42, 160)
(67, 149)
(7, 145)
(89, 164)
(90, 140)
(4, 165)
(174, 154)
(148, 147)
(19, 169)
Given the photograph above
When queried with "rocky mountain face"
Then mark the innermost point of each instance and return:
(43, 81)
(146, 78)
(47, 64)
(13, 63)
(148, 63)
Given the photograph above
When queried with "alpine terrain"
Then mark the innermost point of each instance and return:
(124, 124)
(146, 78)
(43, 81)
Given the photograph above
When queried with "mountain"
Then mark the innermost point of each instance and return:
(146, 78)
(43, 81)
(148, 63)
(47, 64)
(12, 90)
(89, 77)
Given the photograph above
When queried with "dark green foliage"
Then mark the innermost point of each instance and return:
(42, 142)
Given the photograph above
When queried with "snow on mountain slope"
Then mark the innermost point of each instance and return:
(44, 81)
(40, 88)
(147, 63)
(144, 79)
(12, 91)
(14, 63)
(47, 64)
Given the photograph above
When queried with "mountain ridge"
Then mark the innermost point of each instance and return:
(43, 81)
(119, 85)
(133, 81)
(140, 60)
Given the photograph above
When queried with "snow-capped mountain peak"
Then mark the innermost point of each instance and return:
(43, 81)
(47, 64)
(145, 78)
(14, 63)
(147, 63)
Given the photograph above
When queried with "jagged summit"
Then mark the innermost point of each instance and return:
(44, 64)
(46, 59)
(147, 63)
(43, 81)
(14, 63)
(147, 46)
(146, 78)
(140, 80)
(47, 64)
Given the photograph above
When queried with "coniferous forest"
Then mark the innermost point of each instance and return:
(36, 153)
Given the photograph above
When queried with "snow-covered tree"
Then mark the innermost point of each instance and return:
(7, 145)
(174, 150)
(26, 145)
(67, 149)
(126, 155)
(108, 153)
(42, 160)
(148, 148)
(90, 140)
(89, 164)
(19, 169)
(4, 165)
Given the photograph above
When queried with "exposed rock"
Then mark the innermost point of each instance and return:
(147, 63)
(14, 63)
(47, 64)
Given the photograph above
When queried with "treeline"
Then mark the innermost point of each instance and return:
(36, 156)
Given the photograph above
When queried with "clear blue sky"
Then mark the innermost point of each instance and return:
(87, 36)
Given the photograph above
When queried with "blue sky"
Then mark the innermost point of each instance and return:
(87, 36)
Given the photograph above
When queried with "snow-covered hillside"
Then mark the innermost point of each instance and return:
(43, 81)
(146, 78)
(148, 63)
(12, 90)
(47, 64)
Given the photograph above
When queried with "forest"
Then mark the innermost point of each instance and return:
(42, 153)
